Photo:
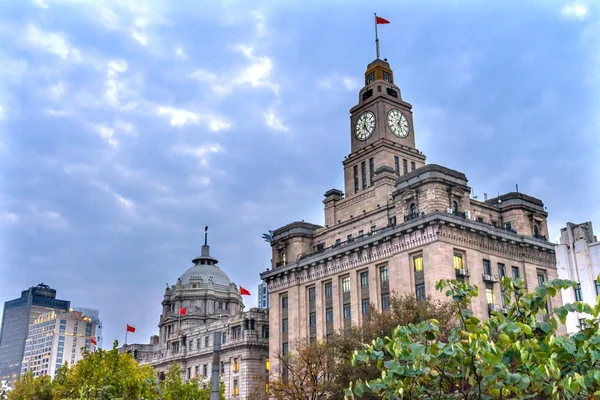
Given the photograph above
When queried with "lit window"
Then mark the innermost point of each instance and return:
(236, 390)
(489, 294)
(267, 365)
(266, 388)
(346, 284)
(236, 365)
(458, 261)
(418, 263)
(383, 274)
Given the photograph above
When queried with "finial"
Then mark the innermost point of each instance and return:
(206, 235)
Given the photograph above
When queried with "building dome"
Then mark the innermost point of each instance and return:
(207, 272)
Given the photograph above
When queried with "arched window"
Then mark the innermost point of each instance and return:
(454, 207)
(536, 230)
(413, 210)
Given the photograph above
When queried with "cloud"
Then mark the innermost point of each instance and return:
(113, 86)
(180, 53)
(574, 10)
(2, 112)
(349, 83)
(180, 117)
(199, 152)
(256, 74)
(52, 42)
(124, 203)
(9, 217)
(108, 134)
(274, 122)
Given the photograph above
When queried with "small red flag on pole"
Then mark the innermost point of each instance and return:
(130, 328)
(93, 341)
(182, 311)
(379, 20)
(244, 292)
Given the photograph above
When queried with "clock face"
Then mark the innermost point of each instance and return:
(365, 125)
(398, 123)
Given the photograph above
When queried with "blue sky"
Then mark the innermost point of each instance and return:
(127, 126)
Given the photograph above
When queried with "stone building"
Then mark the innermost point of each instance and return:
(399, 226)
(57, 338)
(202, 302)
(578, 259)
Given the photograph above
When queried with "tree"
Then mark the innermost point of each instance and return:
(514, 356)
(310, 371)
(403, 310)
(109, 375)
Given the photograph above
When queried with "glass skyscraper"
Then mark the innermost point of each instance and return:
(18, 314)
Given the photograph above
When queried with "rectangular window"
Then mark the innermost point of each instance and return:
(284, 349)
(284, 302)
(365, 306)
(267, 364)
(205, 370)
(578, 296)
(383, 274)
(356, 179)
(364, 279)
(312, 319)
(371, 170)
(370, 77)
(206, 341)
(236, 389)
(374, 229)
(418, 263)
(487, 269)
(420, 291)
(412, 166)
(329, 315)
(349, 239)
(507, 226)
(236, 366)
(346, 284)
(541, 279)
(489, 294)
(347, 314)
(515, 272)
(361, 234)
(386, 76)
(328, 291)
(397, 165)
(312, 294)
(338, 242)
(458, 261)
(284, 325)
(405, 166)
(501, 271)
(385, 302)
(363, 170)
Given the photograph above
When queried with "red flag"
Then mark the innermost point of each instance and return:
(244, 292)
(130, 328)
(379, 20)
(182, 311)
(93, 341)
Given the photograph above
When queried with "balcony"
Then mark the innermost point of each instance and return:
(541, 237)
(410, 216)
(460, 214)
(490, 278)
(279, 263)
(462, 272)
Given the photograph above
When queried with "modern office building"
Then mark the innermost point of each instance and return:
(263, 296)
(202, 302)
(578, 259)
(57, 338)
(399, 226)
(94, 315)
(17, 316)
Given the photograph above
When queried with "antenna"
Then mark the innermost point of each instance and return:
(517, 185)
(206, 235)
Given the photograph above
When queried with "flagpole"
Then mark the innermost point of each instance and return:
(126, 330)
(376, 38)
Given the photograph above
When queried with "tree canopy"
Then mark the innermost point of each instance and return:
(517, 355)
(109, 375)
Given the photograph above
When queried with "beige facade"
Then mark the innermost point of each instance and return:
(202, 302)
(399, 226)
(57, 338)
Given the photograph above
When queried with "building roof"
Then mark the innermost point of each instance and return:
(205, 268)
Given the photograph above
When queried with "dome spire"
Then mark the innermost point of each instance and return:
(205, 255)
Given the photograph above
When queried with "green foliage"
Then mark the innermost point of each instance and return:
(109, 375)
(519, 355)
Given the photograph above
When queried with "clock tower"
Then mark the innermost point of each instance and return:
(382, 131)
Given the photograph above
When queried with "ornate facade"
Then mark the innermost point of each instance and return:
(399, 226)
(202, 302)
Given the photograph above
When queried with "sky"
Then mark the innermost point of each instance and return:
(126, 126)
